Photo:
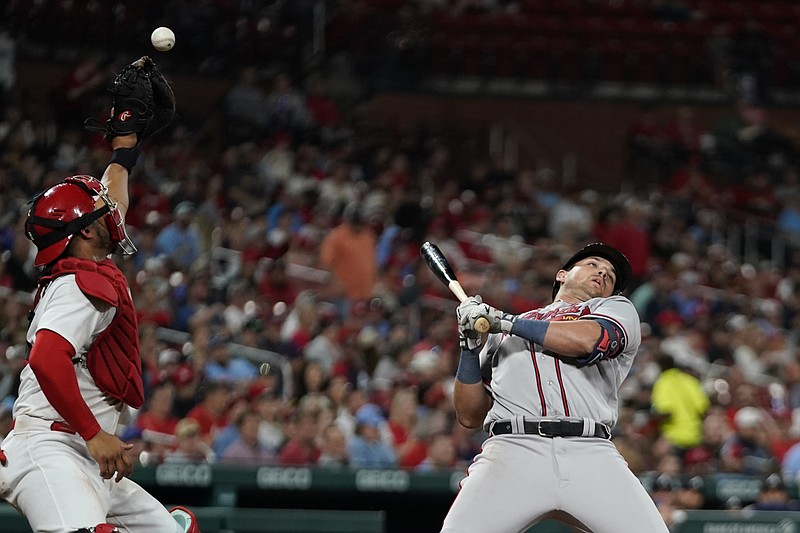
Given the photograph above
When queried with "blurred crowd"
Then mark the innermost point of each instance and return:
(286, 318)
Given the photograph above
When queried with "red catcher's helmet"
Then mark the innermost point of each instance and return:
(65, 209)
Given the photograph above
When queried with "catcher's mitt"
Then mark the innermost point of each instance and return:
(143, 102)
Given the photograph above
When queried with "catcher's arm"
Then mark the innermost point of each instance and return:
(143, 104)
(116, 175)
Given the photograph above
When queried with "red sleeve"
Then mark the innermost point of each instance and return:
(51, 362)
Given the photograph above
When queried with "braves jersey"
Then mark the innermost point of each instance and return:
(525, 380)
(65, 310)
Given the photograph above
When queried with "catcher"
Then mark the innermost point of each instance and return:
(62, 465)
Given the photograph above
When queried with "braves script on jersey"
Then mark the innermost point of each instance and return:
(537, 385)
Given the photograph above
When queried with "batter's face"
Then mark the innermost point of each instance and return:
(591, 277)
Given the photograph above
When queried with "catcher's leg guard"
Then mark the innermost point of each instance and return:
(99, 528)
(186, 519)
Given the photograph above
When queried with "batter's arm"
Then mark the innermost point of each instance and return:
(569, 338)
(587, 341)
(471, 402)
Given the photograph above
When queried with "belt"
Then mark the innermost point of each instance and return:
(552, 428)
(62, 427)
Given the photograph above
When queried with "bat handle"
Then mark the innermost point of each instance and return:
(482, 324)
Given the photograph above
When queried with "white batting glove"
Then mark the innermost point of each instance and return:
(499, 321)
(469, 338)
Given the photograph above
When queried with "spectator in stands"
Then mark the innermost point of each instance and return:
(663, 494)
(286, 107)
(325, 348)
(227, 435)
(275, 285)
(179, 240)
(441, 454)
(247, 449)
(367, 448)
(222, 365)
(270, 408)
(628, 230)
(773, 495)
(691, 493)
(246, 106)
(402, 423)
(312, 380)
(211, 411)
(349, 252)
(746, 451)
(789, 217)
(190, 447)
(301, 447)
(152, 304)
(680, 403)
(790, 466)
(237, 312)
(338, 189)
(157, 415)
(334, 448)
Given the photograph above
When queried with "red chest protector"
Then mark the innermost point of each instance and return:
(113, 360)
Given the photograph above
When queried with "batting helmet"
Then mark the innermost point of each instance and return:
(622, 268)
(66, 208)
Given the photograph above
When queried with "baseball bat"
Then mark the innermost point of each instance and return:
(439, 265)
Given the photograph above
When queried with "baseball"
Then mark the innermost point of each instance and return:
(264, 369)
(163, 39)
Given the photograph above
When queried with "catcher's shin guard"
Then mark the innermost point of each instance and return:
(186, 519)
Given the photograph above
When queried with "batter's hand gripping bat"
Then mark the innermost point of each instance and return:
(439, 265)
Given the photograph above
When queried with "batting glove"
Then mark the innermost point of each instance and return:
(469, 338)
(499, 321)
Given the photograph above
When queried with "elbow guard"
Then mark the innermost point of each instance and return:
(610, 344)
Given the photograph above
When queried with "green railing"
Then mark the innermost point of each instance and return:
(274, 499)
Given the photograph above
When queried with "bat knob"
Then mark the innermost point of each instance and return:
(482, 325)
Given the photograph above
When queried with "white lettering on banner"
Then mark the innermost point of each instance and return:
(184, 475)
(382, 480)
(284, 478)
(784, 526)
(746, 489)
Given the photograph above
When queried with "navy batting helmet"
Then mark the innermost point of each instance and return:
(622, 268)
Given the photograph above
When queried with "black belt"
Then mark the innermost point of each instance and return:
(551, 428)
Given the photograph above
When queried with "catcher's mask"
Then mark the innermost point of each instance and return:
(66, 208)
(622, 268)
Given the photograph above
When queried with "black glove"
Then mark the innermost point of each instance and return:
(143, 102)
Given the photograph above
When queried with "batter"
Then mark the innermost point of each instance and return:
(544, 385)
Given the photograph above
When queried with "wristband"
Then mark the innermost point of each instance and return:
(125, 156)
(469, 368)
(530, 330)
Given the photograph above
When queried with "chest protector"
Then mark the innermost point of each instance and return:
(113, 359)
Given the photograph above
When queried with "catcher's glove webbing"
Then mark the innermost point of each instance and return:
(143, 102)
